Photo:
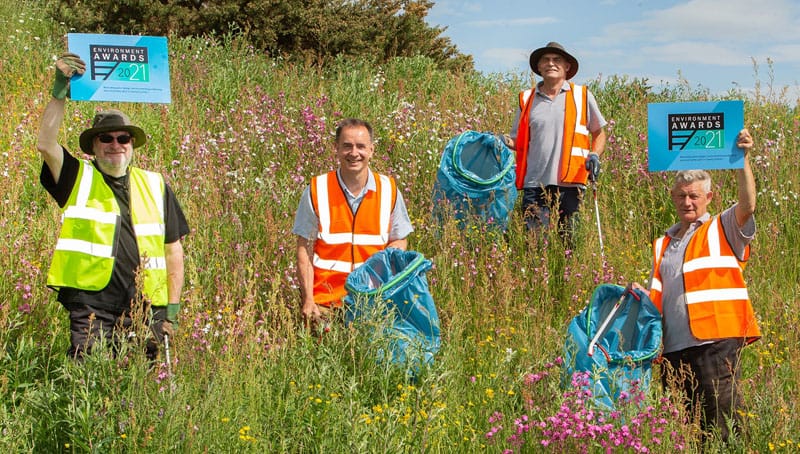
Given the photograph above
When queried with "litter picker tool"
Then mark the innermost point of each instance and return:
(597, 218)
(169, 363)
(625, 326)
(601, 330)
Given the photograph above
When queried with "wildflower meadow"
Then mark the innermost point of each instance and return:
(241, 138)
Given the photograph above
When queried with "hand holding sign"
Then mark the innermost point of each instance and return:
(694, 135)
(745, 141)
(121, 68)
(66, 66)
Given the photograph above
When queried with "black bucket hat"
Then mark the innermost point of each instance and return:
(554, 48)
(107, 121)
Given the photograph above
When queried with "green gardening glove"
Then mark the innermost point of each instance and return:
(172, 314)
(67, 65)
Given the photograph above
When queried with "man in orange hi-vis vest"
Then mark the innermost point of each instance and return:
(345, 216)
(698, 285)
(558, 137)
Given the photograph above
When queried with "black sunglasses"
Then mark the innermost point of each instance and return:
(108, 138)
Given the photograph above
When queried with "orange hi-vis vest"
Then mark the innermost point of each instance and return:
(715, 291)
(576, 143)
(346, 239)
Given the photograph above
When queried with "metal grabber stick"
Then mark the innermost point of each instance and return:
(609, 317)
(169, 361)
(597, 218)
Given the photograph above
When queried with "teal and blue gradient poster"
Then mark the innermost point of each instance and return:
(121, 68)
(694, 135)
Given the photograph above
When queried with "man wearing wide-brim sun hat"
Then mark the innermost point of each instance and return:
(558, 137)
(119, 253)
(109, 121)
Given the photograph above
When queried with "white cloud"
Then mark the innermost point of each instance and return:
(699, 53)
(521, 22)
(788, 53)
(732, 22)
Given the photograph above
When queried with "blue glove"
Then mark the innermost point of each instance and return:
(593, 166)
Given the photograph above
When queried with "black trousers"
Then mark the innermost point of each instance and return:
(539, 203)
(708, 377)
(88, 324)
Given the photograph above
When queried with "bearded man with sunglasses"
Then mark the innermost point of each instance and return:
(118, 261)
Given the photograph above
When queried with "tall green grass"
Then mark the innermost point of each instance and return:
(238, 143)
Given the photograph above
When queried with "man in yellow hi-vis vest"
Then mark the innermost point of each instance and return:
(120, 238)
(558, 137)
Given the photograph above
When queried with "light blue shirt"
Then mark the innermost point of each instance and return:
(306, 222)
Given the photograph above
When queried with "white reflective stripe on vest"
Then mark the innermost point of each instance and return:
(704, 263)
(149, 229)
(92, 214)
(723, 294)
(659, 248)
(86, 247)
(577, 94)
(386, 207)
(360, 239)
(714, 259)
(713, 238)
(578, 151)
(155, 263)
(85, 187)
(154, 181)
(334, 265)
(655, 284)
(322, 202)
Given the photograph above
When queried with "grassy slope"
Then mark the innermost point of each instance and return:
(239, 141)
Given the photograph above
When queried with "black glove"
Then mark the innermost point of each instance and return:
(165, 320)
(507, 140)
(593, 166)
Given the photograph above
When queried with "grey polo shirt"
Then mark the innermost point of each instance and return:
(306, 222)
(546, 123)
(677, 334)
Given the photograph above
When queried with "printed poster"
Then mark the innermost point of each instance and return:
(694, 135)
(123, 68)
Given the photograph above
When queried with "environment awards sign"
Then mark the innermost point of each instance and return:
(694, 135)
(121, 68)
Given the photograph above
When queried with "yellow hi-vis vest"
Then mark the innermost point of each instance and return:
(84, 254)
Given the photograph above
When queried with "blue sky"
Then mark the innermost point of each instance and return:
(710, 43)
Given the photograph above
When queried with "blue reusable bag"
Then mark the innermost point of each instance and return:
(392, 283)
(626, 348)
(476, 181)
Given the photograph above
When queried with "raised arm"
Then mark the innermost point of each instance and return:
(47, 144)
(745, 182)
